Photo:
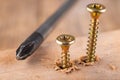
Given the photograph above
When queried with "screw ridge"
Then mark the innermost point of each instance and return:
(65, 41)
(95, 10)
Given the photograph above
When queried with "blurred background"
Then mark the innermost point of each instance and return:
(19, 18)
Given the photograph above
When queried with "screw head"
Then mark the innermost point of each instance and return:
(96, 7)
(65, 39)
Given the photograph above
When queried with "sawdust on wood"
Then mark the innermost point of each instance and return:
(84, 62)
(75, 63)
(112, 67)
(72, 68)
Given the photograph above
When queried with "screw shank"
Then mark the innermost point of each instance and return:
(92, 40)
(95, 15)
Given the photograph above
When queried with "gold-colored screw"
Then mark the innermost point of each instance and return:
(65, 41)
(95, 10)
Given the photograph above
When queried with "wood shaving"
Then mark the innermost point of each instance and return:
(88, 64)
(112, 67)
(66, 70)
(97, 58)
(84, 62)
(75, 64)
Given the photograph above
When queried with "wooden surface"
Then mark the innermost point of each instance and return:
(40, 65)
(18, 19)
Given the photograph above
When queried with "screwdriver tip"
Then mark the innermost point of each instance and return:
(18, 58)
(25, 50)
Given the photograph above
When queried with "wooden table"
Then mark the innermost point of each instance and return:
(40, 65)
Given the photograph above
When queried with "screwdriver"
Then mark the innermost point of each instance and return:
(29, 46)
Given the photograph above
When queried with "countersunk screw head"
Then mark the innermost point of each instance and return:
(65, 39)
(96, 7)
(95, 10)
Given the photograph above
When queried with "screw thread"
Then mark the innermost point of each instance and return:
(92, 40)
(65, 59)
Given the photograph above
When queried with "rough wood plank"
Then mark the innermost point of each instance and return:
(40, 65)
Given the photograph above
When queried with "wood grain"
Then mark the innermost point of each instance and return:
(40, 65)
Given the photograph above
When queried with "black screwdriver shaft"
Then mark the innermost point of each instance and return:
(38, 36)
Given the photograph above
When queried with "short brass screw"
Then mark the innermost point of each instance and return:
(95, 10)
(65, 41)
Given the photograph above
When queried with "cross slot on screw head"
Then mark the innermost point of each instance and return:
(65, 41)
(95, 10)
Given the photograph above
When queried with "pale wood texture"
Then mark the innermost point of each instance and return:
(19, 18)
(40, 65)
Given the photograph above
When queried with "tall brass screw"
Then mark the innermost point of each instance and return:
(95, 10)
(65, 41)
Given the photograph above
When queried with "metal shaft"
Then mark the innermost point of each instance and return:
(31, 44)
(92, 40)
(65, 41)
(65, 57)
(95, 10)
(46, 27)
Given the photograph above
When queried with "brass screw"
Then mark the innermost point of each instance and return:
(65, 41)
(95, 10)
